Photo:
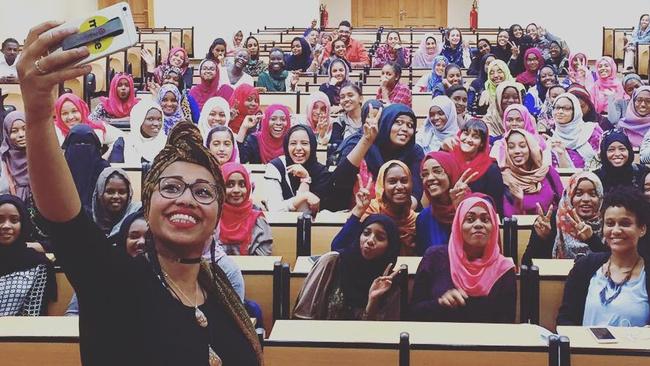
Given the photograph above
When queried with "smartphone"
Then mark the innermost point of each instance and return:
(105, 32)
(603, 335)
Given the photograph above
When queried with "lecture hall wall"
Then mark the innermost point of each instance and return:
(579, 22)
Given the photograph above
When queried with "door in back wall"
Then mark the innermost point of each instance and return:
(399, 13)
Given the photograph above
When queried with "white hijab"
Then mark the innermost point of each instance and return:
(136, 146)
(576, 134)
(204, 126)
(430, 137)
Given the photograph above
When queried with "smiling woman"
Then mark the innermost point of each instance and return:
(266, 144)
(162, 307)
(13, 155)
(113, 200)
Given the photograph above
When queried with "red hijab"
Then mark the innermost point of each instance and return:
(113, 105)
(444, 214)
(481, 162)
(82, 107)
(529, 77)
(270, 147)
(207, 89)
(476, 277)
(237, 222)
(238, 102)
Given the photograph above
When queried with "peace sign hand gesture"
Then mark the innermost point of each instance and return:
(514, 49)
(542, 223)
(461, 188)
(382, 284)
(371, 127)
(362, 198)
(581, 230)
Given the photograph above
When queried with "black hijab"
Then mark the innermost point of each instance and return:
(17, 256)
(302, 61)
(119, 240)
(630, 174)
(357, 273)
(84, 157)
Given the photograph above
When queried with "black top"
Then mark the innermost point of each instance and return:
(127, 316)
(249, 151)
(572, 310)
(433, 279)
(491, 183)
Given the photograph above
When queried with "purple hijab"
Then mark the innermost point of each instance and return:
(15, 158)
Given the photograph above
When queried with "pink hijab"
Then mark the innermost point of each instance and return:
(529, 77)
(476, 277)
(270, 147)
(113, 105)
(82, 107)
(574, 74)
(208, 89)
(600, 85)
(498, 151)
(315, 98)
(635, 126)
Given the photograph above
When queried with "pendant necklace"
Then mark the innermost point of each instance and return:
(201, 319)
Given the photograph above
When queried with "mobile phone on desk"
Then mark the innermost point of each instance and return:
(105, 32)
(603, 335)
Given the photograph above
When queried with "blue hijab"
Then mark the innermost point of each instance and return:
(435, 79)
(302, 61)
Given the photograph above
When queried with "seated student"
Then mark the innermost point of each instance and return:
(472, 154)
(235, 70)
(145, 139)
(483, 48)
(354, 283)
(337, 52)
(113, 200)
(393, 191)
(318, 117)
(217, 52)
(27, 280)
(390, 89)
(350, 120)
(439, 174)
(452, 76)
(454, 49)
(543, 39)
(641, 34)
(296, 181)
(507, 93)
(121, 98)
(429, 81)
(485, 95)
(616, 108)
(172, 75)
(536, 95)
(82, 151)
(441, 125)
(355, 52)
(617, 159)
(338, 73)
(530, 181)
(545, 120)
(517, 116)
(169, 99)
(388, 134)
(69, 111)
(458, 94)
(236, 44)
(392, 51)
(14, 177)
(575, 227)
(300, 57)
(605, 85)
(243, 229)
(255, 65)
(589, 113)
(611, 288)
(245, 101)
(213, 83)
(505, 50)
(215, 112)
(477, 86)
(558, 58)
(575, 142)
(578, 70)
(636, 122)
(8, 61)
(426, 52)
(276, 78)
(266, 144)
(533, 62)
(222, 144)
(177, 57)
(468, 280)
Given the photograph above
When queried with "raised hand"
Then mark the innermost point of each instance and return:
(449, 143)
(581, 231)
(382, 284)
(371, 127)
(298, 171)
(323, 124)
(558, 147)
(542, 223)
(461, 188)
(453, 298)
(295, 77)
(148, 59)
(249, 122)
(153, 87)
(514, 49)
(362, 198)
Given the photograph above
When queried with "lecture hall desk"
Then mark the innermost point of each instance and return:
(632, 349)
(342, 343)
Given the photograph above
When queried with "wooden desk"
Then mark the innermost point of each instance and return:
(258, 282)
(45, 340)
(632, 349)
(552, 276)
(284, 228)
(301, 342)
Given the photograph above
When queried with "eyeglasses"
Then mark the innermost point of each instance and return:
(173, 187)
(561, 108)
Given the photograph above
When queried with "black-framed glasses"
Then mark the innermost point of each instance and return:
(173, 187)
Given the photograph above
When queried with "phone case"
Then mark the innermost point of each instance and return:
(108, 31)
